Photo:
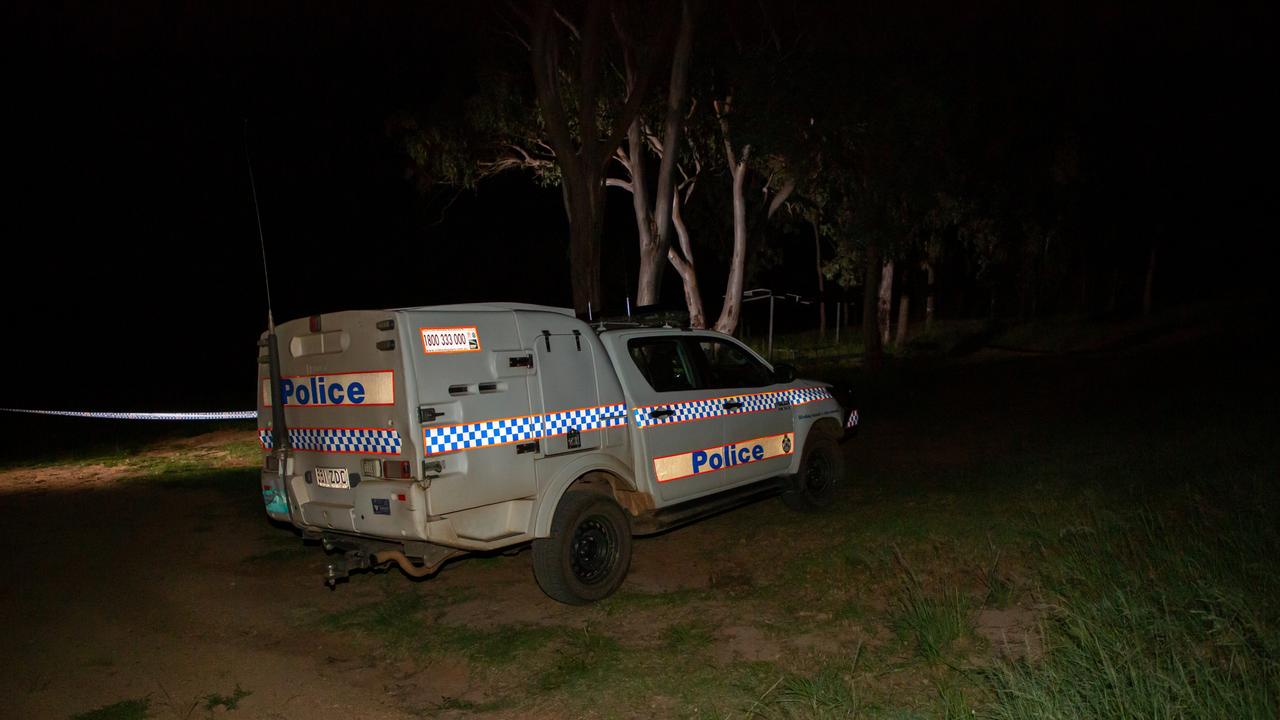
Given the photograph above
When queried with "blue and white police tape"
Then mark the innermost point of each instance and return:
(215, 415)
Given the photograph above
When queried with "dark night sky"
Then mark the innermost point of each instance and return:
(134, 275)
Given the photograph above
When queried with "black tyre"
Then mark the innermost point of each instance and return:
(821, 470)
(588, 553)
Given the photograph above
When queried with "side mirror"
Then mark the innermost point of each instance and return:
(784, 373)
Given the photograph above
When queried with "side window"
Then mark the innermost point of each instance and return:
(730, 366)
(664, 362)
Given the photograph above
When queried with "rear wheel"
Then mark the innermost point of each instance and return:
(821, 468)
(588, 553)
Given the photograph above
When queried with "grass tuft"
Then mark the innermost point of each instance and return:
(687, 637)
(999, 589)
(828, 694)
(137, 709)
(933, 622)
(586, 659)
(212, 701)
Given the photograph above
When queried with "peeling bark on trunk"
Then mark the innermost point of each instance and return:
(885, 301)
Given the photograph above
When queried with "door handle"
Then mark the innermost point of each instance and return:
(655, 414)
(732, 405)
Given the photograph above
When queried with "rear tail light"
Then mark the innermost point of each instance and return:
(396, 469)
(371, 468)
(272, 463)
(313, 323)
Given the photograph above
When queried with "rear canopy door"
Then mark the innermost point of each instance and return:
(473, 404)
(568, 394)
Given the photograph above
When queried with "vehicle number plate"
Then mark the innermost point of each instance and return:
(333, 478)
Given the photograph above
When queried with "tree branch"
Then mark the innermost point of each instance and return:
(573, 29)
(784, 192)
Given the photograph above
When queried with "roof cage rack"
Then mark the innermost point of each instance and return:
(644, 316)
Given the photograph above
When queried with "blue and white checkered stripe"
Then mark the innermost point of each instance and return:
(582, 419)
(800, 396)
(480, 434)
(488, 433)
(369, 441)
(760, 401)
(714, 407)
(682, 412)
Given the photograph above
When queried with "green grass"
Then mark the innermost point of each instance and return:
(138, 709)
(212, 701)
(586, 659)
(42, 441)
(688, 637)
(825, 695)
(1174, 614)
(932, 622)
(404, 622)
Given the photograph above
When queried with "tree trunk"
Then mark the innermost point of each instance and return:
(582, 161)
(822, 304)
(1151, 275)
(732, 309)
(872, 354)
(885, 302)
(928, 297)
(904, 302)
(683, 263)
(652, 250)
(585, 227)
(655, 223)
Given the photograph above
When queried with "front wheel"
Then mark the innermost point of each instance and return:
(589, 551)
(821, 468)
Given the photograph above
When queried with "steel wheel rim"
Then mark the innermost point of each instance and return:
(593, 551)
(817, 476)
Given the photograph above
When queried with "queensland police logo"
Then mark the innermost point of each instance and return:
(709, 460)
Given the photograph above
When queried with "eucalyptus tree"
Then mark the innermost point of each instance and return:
(566, 131)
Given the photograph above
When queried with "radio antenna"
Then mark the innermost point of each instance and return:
(279, 427)
(257, 214)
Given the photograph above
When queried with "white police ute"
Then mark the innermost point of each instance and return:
(416, 435)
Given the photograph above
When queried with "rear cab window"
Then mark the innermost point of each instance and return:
(728, 365)
(673, 364)
(665, 363)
